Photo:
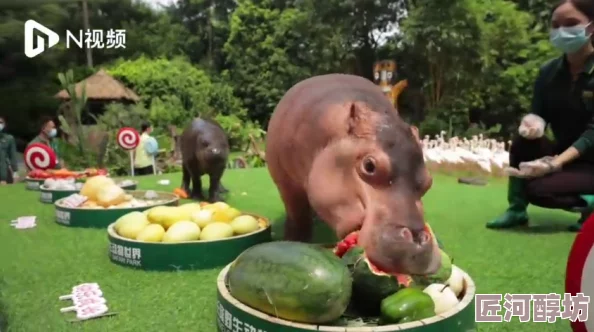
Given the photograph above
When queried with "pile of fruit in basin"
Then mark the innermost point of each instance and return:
(64, 174)
(101, 192)
(71, 184)
(306, 283)
(188, 222)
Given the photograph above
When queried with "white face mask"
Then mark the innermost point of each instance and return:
(570, 39)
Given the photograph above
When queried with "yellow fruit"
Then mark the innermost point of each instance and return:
(202, 218)
(157, 214)
(188, 209)
(216, 231)
(191, 206)
(174, 215)
(216, 206)
(110, 195)
(151, 233)
(132, 225)
(92, 186)
(132, 216)
(244, 224)
(225, 215)
(182, 231)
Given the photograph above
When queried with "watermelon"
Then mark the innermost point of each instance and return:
(441, 276)
(371, 285)
(290, 280)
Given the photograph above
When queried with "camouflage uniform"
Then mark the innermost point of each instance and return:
(8, 159)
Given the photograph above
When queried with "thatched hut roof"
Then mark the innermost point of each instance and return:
(102, 86)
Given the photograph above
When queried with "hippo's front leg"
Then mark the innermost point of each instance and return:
(299, 222)
(214, 192)
(197, 188)
(186, 178)
(222, 190)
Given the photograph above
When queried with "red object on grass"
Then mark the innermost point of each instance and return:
(579, 257)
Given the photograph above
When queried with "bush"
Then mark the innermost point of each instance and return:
(115, 117)
(175, 92)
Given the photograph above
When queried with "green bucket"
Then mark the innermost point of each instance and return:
(48, 196)
(33, 184)
(101, 218)
(235, 316)
(193, 255)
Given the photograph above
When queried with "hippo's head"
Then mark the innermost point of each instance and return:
(371, 179)
(212, 146)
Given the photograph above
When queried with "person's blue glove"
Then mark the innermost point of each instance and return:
(151, 146)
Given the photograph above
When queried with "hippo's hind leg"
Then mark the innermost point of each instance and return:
(214, 191)
(299, 222)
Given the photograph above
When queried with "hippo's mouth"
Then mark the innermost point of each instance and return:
(352, 240)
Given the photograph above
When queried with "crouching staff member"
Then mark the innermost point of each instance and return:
(564, 99)
(8, 158)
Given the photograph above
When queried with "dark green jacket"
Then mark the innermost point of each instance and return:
(8, 157)
(52, 144)
(567, 105)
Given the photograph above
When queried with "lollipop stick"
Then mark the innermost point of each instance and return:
(132, 162)
(65, 297)
(73, 308)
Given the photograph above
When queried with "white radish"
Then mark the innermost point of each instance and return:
(443, 297)
(456, 280)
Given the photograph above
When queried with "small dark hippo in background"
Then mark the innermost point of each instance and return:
(204, 149)
(337, 146)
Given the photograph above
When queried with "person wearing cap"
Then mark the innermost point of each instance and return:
(8, 157)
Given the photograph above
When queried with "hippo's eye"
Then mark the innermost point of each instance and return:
(369, 166)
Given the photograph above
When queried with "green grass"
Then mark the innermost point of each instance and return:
(36, 266)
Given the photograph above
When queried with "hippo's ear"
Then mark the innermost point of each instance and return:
(360, 122)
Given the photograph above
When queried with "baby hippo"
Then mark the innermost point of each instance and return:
(336, 145)
(205, 150)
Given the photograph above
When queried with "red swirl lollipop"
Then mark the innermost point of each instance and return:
(40, 156)
(128, 138)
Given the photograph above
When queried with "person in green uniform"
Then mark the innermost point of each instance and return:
(47, 136)
(557, 174)
(8, 157)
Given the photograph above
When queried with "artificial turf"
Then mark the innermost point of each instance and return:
(38, 265)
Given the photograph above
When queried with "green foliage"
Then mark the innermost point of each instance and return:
(176, 92)
(471, 64)
(117, 116)
(72, 124)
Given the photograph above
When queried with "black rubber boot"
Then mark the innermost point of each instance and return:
(586, 212)
(515, 215)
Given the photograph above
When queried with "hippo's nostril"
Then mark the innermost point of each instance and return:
(406, 234)
(423, 237)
